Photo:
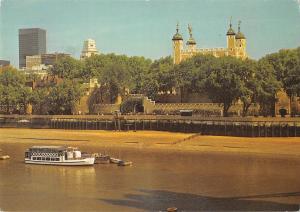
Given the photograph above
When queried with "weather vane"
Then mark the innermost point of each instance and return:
(239, 26)
(190, 30)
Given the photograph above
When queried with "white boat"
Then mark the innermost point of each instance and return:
(57, 155)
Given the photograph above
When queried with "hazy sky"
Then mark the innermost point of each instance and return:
(145, 28)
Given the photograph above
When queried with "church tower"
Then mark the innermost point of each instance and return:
(231, 40)
(177, 46)
(240, 43)
(191, 43)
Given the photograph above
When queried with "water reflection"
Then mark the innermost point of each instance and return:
(78, 174)
(159, 200)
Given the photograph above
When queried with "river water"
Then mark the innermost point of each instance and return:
(156, 181)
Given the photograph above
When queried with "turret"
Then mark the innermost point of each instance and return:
(240, 43)
(230, 40)
(191, 43)
(177, 46)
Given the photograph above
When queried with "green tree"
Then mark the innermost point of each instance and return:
(63, 97)
(39, 99)
(67, 68)
(249, 89)
(286, 64)
(114, 76)
(13, 92)
(223, 83)
(138, 68)
(268, 87)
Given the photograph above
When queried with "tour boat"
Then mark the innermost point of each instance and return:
(57, 155)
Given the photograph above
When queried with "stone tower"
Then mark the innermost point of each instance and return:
(240, 43)
(177, 46)
(89, 49)
(230, 40)
(191, 43)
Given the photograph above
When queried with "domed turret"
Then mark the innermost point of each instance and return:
(240, 35)
(240, 43)
(177, 46)
(177, 36)
(230, 30)
(230, 40)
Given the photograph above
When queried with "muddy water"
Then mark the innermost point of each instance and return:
(156, 181)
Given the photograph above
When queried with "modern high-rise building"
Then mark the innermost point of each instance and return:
(32, 41)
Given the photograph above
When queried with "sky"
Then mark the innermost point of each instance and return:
(145, 27)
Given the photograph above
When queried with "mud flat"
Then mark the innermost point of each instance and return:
(153, 140)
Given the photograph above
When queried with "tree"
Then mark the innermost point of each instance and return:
(39, 99)
(223, 83)
(138, 68)
(67, 68)
(63, 97)
(268, 87)
(247, 72)
(150, 86)
(286, 64)
(114, 76)
(13, 92)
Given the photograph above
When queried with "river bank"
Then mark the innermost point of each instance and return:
(154, 141)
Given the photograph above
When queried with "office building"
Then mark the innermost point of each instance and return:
(32, 41)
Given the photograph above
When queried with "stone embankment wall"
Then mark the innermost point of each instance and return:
(233, 126)
(105, 108)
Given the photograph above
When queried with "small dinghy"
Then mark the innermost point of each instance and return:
(115, 160)
(4, 157)
(125, 163)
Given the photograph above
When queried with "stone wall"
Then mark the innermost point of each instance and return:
(187, 98)
(105, 108)
(204, 109)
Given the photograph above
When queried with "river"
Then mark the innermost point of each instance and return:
(156, 181)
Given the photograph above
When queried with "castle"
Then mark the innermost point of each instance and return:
(236, 46)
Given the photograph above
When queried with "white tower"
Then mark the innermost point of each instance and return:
(89, 49)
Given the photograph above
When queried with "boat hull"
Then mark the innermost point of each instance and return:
(77, 162)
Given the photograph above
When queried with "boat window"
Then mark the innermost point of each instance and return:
(47, 158)
(33, 158)
(39, 158)
(43, 158)
(57, 159)
(52, 159)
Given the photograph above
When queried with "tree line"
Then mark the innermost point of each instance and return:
(224, 80)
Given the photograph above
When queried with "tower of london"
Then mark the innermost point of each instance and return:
(236, 46)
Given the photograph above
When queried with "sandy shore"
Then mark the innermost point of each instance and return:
(153, 140)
